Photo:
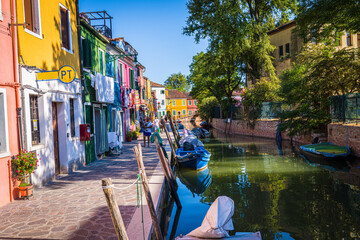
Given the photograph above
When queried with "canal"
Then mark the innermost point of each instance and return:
(276, 192)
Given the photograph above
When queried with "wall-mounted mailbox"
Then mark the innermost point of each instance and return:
(85, 131)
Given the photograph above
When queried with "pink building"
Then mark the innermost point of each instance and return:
(9, 100)
(191, 105)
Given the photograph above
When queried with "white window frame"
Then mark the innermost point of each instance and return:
(184, 102)
(184, 112)
(174, 113)
(173, 102)
(1, 17)
(7, 150)
(103, 53)
(38, 15)
(71, 51)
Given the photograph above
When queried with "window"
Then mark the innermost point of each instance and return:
(184, 102)
(173, 102)
(281, 51)
(162, 91)
(190, 112)
(34, 117)
(72, 117)
(163, 113)
(86, 50)
(32, 16)
(174, 112)
(65, 28)
(132, 81)
(110, 70)
(168, 102)
(189, 102)
(195, 102)
(348, 39)
(163, 102)
(184, 112)
(287, 49)
(121, 75)
(4, 142)
(101, 61)
(1, 18)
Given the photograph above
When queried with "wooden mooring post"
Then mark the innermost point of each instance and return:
(138, 153)
(114, 209)
(174, 132)
(169, 175)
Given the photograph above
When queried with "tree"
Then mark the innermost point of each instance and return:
(237, 30)
(323, 18)
(321, 72)
(206, 108)
(209, 78)
(177, 81)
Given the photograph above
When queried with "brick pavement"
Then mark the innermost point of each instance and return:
(74, 206)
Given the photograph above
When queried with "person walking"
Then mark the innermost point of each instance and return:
(147, 131)
(162, 124)
(156, 124)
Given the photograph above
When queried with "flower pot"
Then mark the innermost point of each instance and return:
(128, 139)
(26, 191)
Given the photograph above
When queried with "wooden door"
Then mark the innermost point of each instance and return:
(56, 138)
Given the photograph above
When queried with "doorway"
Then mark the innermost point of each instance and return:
(56, 138)
(97, 130)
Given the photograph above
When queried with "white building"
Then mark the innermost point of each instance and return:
(161, 97)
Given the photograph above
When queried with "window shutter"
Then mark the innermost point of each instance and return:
(28, 8)
(65, 40)
(86, 53)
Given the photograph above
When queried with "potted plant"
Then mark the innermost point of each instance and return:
(134, 135)
(129, 136)
(24, 165)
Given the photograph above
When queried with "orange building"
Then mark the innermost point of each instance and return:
(9, 100)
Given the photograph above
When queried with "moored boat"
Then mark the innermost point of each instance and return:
(195, 159)
(324, 151)
(196, 181)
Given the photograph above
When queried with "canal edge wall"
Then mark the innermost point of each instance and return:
(336, 133)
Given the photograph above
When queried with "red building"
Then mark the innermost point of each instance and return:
(191, 105)
(9, 99)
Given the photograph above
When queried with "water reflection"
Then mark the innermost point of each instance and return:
(196, 181)
(283, 196)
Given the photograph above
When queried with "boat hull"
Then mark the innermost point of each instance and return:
(312, 152)
(197, 159)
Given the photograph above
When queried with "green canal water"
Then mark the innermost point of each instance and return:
(275, 192)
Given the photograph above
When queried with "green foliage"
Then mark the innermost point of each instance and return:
(178, 81)
(329, 16)
(237, 33)
(133, 134)
(24, 164)
(264, 90)
(321, 72)
(206, 108)
(212, 75)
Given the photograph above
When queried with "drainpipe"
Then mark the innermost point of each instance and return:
(80, 50)
(16, 85)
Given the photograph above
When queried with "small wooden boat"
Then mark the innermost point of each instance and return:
(196, 159)
(200, 132)
(324, 150)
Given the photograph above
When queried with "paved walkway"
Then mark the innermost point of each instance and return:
(74, 206)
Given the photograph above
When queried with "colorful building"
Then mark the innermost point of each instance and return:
(49, 69)
(9, 100)
(192, 108)
(176, 103)
(159, 91)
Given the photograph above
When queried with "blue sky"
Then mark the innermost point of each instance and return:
(154, 29)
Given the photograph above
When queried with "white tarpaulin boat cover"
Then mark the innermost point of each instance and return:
(218, 222)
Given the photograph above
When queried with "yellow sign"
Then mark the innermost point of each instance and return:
(66, 74)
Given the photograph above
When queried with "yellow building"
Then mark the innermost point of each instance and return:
(49, 67)
(287, 44)
(176, 103)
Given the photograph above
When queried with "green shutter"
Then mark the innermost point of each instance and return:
(86, 53)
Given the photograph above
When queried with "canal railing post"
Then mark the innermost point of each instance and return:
(114, 209)
(168, 173)
(144, 181)
(174, 132)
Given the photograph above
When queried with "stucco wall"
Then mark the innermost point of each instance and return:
(342, 134)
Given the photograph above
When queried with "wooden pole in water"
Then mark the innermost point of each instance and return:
(174, 132)
(168, 173)
(138, 154)
(114, 209)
